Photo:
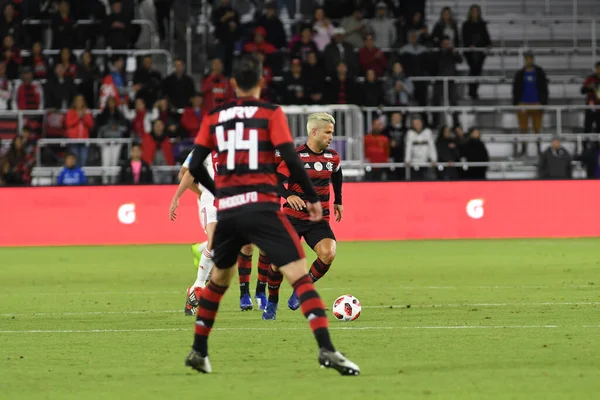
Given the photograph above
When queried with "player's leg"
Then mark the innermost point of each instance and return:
(274, 279)
(260, 296)
(320, 238)
(244, 270)
(276, 236)
(227, 246)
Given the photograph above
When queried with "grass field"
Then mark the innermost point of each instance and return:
(514, 319)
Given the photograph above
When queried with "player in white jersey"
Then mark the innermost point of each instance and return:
(208, 218)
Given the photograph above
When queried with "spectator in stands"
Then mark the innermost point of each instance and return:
(590, 158)
(12, 57)
(118, 33)
(445, 27)
(163, 16)
(28, 95)
(315, 79)
(555, 162)
(178, 87)
(156, 147)
(383, 27)
(111, 123)
(342, 88)
(60, 90)
(37, 62)
(395, 131)
(444, 64)
(192, 116)
(17, 163)
(474, 150)
(370, 57)
(530, 88)
(417, 24)
(6, 88)
(448, 152)
(135, 170)
(338, 51)
(294, 85)
(415, 60)
(141, 119)
(168, 116)
(275, 33)
(259, 43)
(79, 122)
(475, 35)
(420, 149)
(323, 28)
(70, 174)
(147, 82)
(373, 94)
(63, 31)
(306, 45)
(114, 83)
(399, 89)
(10, 24)
(226, 21)
(215, 86)
(89, 75)
(355, 27)
(68, 60)
(591, 88)
(377, 150)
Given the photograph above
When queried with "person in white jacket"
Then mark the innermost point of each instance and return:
(420, 149)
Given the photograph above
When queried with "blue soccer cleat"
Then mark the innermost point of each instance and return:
(261, 301)
(294, 302)
(270, 312)
(246, 302)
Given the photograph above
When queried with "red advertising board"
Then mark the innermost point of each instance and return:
(372, 211)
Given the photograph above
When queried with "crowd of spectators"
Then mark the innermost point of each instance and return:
(362, 52)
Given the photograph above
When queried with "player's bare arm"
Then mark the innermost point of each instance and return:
(336, 180)
(193, 187)
(187, 181)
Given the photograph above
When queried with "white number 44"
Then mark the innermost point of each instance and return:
(235, 141)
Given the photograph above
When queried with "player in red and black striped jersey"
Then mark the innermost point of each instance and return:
(245, 134)
(323, 167)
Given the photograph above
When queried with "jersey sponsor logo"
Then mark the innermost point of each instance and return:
(318, 166)
(237, 112)
(327, 155)
(307, 166)
(303, 155)
(238, 200)
(329, 166)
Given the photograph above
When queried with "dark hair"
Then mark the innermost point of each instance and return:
(70, 155)
(598, 64)
(247, 72)
(476, 6)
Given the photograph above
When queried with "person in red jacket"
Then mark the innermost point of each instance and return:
(377, 149)
(215, 86)
(192, 116)
(370, 57)
(29, 95)
(591, 88)
(259, 43)
(79, 121)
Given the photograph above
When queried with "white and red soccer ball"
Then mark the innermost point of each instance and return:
(346, 308)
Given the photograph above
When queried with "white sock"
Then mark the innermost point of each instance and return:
(206, 264)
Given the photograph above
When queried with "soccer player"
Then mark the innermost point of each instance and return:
(208, 219)
(323, 167)
(245, 133)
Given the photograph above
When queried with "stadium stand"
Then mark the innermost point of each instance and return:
(122, 58)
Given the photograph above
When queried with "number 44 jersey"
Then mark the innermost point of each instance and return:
(244, 134)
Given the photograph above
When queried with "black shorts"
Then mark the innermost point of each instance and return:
(312, 232)
(270, 231)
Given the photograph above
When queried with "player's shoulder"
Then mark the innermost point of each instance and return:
(220, 108)
(301, 148)
(260, 104)
(331, 153)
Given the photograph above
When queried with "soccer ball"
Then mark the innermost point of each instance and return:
(346, 308)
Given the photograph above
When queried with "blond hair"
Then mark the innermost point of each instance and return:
(316, 120)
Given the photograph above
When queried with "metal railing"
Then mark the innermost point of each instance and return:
(41, 143)
(460, 7)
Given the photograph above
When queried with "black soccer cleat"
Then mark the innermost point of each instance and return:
(337, 361)
(197, 362)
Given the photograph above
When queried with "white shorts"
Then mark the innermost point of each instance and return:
(207, 210)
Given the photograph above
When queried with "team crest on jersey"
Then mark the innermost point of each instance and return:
(328, 155)
(304, 155)
(329, 166)
(318, 166)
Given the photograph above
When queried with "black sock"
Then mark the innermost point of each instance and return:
(261, 287)
(244, 289)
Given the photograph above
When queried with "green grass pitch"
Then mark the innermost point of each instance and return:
(501, 319)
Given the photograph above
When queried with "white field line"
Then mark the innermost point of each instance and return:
(349, 328)
(451, 305)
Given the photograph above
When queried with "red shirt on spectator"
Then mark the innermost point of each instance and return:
(593, 95)
(267, 78)
(191, 119)
(29, 96)
(71, 70)
(374, 59)
(259, 44)
(377, 148)
(78, 127)
(39, 66)
(216, 90)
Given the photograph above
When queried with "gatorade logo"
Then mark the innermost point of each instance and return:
(475, 208)
(126, 214)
